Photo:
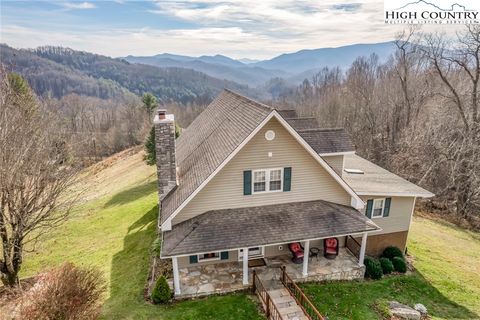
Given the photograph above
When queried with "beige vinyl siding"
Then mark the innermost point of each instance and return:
(310, 181)
(336, 162)
(399, 217)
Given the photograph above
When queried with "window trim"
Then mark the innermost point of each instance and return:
(383, 207)
(250, 257)
(209, 259)
(267, 180)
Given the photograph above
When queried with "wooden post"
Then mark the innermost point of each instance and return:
(362, 249)
(176, 276)
(253, 282)
(267, 308)
(306, 254)
(245, 266)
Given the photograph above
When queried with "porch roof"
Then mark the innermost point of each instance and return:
(228, 229)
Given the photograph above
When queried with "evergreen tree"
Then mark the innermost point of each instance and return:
(150, 154)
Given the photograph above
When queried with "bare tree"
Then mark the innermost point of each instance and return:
(35, 173)
(457, 66)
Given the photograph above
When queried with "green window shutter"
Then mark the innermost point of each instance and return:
(193, 259)
(247, 182)
(369, 208)
(224, 255)
(287, 179)
(386, 209)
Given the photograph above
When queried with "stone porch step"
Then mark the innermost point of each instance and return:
(277, 293)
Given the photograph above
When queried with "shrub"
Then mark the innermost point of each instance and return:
(373, 269)
(392, 252)
(67, 292)
(161, 293)
(387, 265)
(399, 264)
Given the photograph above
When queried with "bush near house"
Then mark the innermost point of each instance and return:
(387, 265)
(392, 252)
(373, 269)
(161, 293)
(399, 264)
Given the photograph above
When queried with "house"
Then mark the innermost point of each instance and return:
(245, 180)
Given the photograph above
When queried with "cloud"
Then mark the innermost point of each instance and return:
(78, 5)
(252, 29)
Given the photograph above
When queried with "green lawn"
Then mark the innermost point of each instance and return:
(447, 280)
(115, 226)
(114, 230)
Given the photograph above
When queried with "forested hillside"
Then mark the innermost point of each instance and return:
(55, 71)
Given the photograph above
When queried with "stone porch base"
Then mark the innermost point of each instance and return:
(226, 277)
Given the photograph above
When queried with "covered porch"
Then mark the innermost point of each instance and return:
(197, 281)
(211, 253)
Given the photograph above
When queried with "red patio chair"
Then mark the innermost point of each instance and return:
(330, 248)
(297, 251)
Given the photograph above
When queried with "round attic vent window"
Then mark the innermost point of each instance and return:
(270, 135)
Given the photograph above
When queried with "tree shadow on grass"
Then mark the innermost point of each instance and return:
(359, 299)
(129, 272)
(437, 303)
(132, 194)
(130, 268)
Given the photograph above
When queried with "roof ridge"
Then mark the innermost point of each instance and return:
(297, 118)
(259, 104)
(321, 129)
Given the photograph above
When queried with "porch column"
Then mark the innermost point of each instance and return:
(245, 266)
(176, 276)
(362, 249)
(306, 254)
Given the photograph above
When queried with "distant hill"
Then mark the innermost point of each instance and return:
(218, 66)
(304, 60)
(58, 71)
(293, 67)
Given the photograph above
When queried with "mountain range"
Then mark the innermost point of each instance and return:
(293, 67)
(57, 71)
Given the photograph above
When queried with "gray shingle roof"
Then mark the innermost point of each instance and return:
(377, 181)
(327, 140)
(288, 113)
(253, 226)
(303, 123)
(209, 140)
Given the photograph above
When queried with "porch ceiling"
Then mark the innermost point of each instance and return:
(225, 229)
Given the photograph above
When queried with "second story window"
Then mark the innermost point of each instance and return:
(378, 205)
(267, 180)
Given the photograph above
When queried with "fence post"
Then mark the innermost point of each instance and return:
(283, 274)
(254, 288)
(267, 310)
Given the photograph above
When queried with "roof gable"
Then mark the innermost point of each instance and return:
(214, 138)
(208, 142)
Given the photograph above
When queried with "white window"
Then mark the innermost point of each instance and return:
(378, 207)
(253, 253)
(259, 181)
(267, 180)
(209, 256)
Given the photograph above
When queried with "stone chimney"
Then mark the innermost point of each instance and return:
(165, 152)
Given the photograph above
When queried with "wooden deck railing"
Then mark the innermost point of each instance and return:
(302, 300)
(270, 308)
(353, 246)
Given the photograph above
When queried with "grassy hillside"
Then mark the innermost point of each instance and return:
(114, 228)
(447, 280)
